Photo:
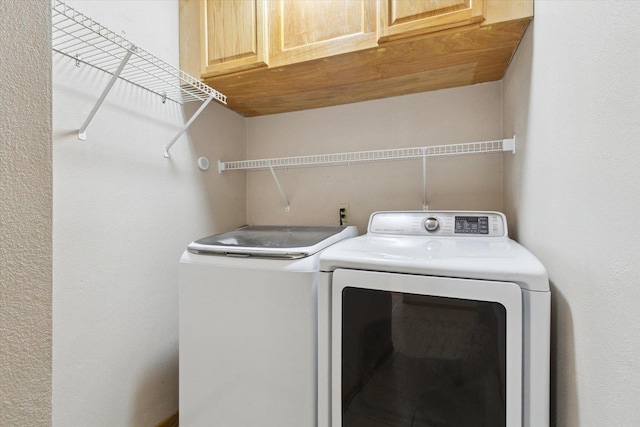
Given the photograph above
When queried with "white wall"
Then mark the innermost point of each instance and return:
(123, 214)
(25, 214)
(572, 95)
(465, 114)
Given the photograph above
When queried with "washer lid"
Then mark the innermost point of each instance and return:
(268, 241)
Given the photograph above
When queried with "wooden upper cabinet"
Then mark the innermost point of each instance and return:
(311, 29)
(407, 18)
(274, 56)
(233, 35)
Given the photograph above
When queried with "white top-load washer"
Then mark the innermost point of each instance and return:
(248, 325)
(433, 318)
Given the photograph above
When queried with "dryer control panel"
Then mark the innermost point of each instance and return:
(439, 223)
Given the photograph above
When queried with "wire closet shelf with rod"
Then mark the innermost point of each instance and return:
(87, 42)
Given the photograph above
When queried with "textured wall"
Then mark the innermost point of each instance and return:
(25, 214)
(572, 97)
(466, 114)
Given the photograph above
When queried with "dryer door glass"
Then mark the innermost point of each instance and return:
(416, 360)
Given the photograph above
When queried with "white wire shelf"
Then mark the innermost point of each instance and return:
(371, 156)
(87, 42)
(484, 147)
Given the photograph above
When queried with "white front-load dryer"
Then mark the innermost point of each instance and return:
(433, 319)
(248, 323)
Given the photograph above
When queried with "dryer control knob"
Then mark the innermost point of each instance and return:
(431, 224)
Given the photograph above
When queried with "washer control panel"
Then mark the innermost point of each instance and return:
(439, 223)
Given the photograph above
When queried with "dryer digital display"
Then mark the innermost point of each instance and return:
(472, 225)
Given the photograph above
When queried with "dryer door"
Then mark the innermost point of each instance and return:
(414, 350)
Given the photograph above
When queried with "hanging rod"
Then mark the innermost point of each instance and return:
(87, 42)
(495, 146)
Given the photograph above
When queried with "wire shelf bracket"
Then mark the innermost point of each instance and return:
(287, 208)
(425, 205)
(483, 147)
(82, 133)
(87, 42)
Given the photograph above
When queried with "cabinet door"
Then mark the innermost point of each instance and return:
(406, 18)
(234, 35)
(302, 30)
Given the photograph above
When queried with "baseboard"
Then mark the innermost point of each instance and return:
(171, 421)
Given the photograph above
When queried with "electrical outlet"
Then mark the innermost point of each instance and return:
(343, 215)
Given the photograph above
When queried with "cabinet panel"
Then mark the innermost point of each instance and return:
(407, 10)
(306, 30)
(233, 35)
(406, 18)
